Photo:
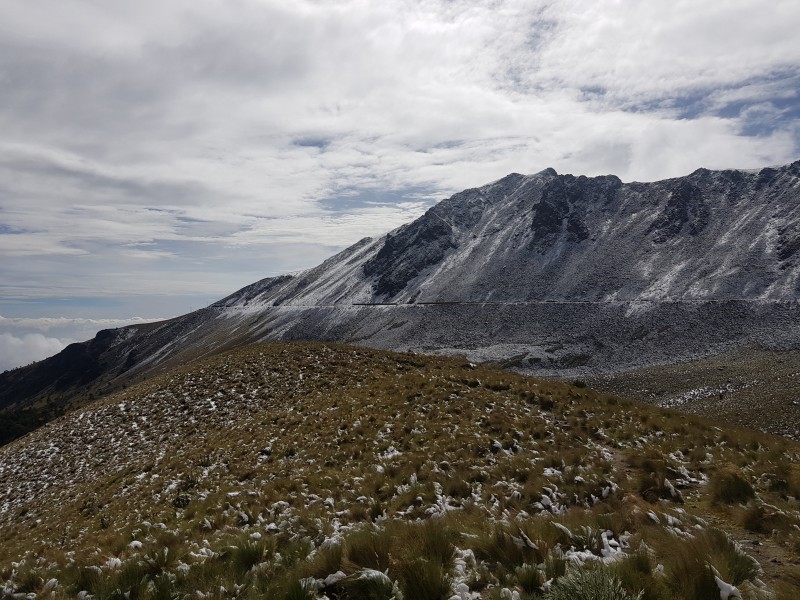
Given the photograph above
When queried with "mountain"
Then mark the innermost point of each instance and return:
(548, 237)
(312, 471)
(546, 273)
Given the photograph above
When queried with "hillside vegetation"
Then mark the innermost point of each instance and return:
(749, 387)
(308, 471)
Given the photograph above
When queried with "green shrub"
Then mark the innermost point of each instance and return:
(589, 584)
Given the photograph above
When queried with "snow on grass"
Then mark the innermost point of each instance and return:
(239, 461)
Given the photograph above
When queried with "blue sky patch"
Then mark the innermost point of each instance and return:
(353, 199)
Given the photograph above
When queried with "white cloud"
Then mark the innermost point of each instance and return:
(47, 323)
(18, 351)
(662, 49)
(23, 340)
(178, 147)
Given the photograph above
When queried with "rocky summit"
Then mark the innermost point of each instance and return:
(546, 273)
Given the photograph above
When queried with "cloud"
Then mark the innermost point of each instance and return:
(23, 340)
(190, 147)
(662, 50)
(47, 323)
(18, 351)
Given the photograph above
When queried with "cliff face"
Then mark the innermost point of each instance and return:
(549, 273)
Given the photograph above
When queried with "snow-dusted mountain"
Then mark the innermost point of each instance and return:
(711, 235)
(545, 272)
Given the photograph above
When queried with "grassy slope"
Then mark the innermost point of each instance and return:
(260, 471)
(747, 387)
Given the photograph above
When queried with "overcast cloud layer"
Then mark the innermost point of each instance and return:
(156, 156)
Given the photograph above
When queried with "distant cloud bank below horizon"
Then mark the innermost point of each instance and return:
(22, 340)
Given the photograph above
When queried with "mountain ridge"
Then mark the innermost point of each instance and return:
(555, 274)
(549, 211)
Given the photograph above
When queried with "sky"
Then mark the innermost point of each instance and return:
(156, 156)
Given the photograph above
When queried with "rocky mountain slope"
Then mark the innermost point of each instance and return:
(310, 471)
(728, 235)
(549, 273)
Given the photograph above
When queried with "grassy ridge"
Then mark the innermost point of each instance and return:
(296, 470)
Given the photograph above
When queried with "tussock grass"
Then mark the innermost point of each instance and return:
(423, 579)
(326, 560)
(530, 578)
(635, 572)
(693, 562)
(377, 474)
(249, 553)
(367, 585)
(368, 549)
(589, 584)
(728, 484)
